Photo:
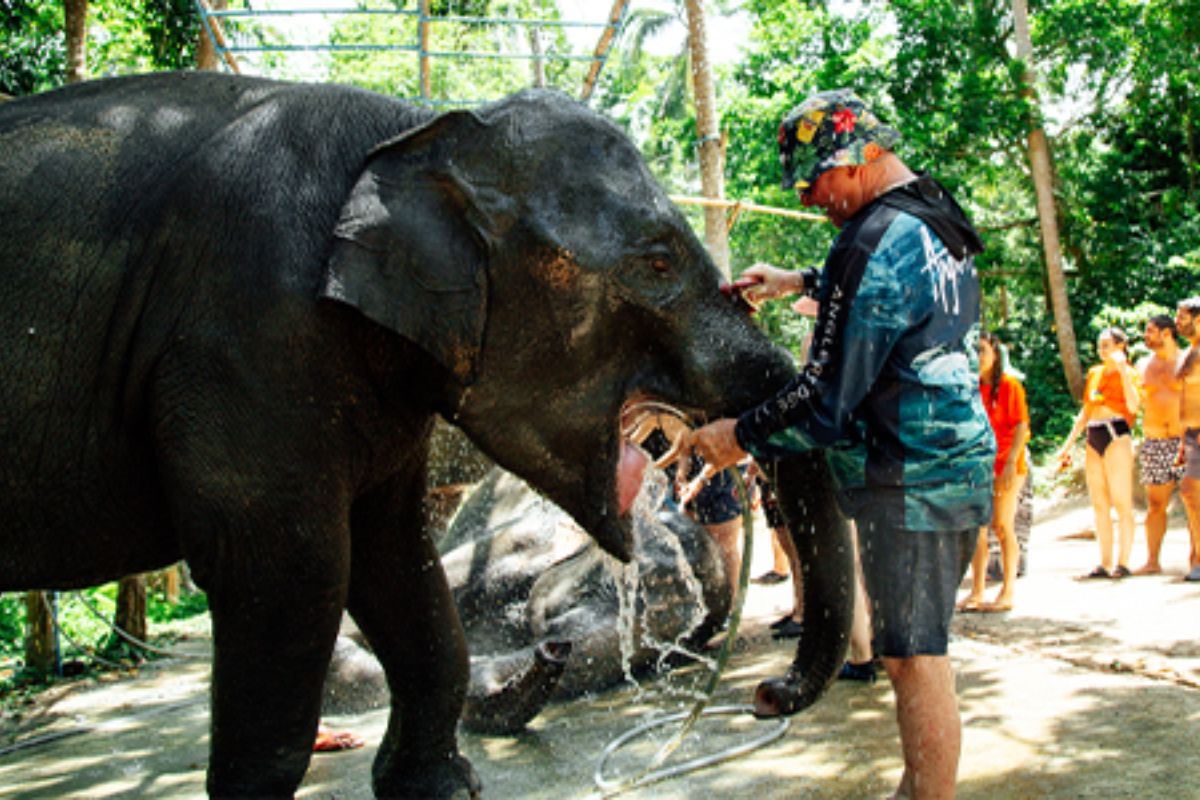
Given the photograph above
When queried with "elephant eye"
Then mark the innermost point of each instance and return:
(660, 263)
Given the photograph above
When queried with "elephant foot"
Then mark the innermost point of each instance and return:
(779, 697)
(450, 779)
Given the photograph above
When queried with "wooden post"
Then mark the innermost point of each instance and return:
(219, 34)
(602, 46)
(171, 584)
(131, 606)
(423, 56)
(206, 50)
(39, 633)
(75, 19)
(708, 129)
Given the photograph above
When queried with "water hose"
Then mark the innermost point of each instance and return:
(654, 771)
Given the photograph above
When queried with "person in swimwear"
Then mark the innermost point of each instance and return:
(1161, 432)
(1110, 403)
(1187, 320)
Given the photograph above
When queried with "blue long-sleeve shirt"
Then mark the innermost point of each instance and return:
(891, 388)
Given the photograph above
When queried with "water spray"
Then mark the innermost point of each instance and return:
(654, 770)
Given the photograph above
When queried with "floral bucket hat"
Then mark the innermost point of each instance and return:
(829, 129)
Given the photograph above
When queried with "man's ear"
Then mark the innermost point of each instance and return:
(872, 151)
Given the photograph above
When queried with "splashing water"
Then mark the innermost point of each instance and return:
(633, 626)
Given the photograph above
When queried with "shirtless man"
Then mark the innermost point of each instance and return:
(1161, 429)
(1187, 320)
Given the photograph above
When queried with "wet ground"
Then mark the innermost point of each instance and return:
(1086, 689)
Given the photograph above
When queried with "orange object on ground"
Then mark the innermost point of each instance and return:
(331, 741)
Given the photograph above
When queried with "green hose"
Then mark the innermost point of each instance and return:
(653, 771)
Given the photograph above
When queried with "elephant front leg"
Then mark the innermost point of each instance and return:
(402, 603)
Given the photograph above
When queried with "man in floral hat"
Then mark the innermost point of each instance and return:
(891, 390)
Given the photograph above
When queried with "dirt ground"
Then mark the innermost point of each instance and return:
(1086, 689)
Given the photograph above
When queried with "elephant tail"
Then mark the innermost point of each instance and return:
(507, 692)
(822, 538)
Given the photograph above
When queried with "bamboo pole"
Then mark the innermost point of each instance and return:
(423, 32)
(745, 205)
(218, 35)
(602, 47)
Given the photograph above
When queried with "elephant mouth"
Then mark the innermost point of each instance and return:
(639, 417)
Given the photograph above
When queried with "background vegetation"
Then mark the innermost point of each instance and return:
(1118, 91)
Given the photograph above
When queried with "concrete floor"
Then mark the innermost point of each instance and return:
(1087, 689)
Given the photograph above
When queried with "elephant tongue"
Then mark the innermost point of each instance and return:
(629, 475)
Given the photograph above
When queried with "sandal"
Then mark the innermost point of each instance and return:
(1121, 571)
(1098, 572)
(970, 605)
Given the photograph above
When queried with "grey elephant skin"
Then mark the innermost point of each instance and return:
(547, 614)
(232, 308)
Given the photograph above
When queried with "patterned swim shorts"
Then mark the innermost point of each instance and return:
(1191, 446)
(1157, 458)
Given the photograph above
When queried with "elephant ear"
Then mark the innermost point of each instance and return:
(412, 244)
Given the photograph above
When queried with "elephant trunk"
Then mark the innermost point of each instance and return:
(822, 538)
(507, 692)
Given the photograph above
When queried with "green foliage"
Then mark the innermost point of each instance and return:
(1118, 93)
(12, 624)
(33, 52)
(124, 36)
(82, 627)
(460, 71)
(158, 609)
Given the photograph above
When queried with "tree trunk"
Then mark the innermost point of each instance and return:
(1038, 150)
(708, 129)
(537, 65)
(39, 633)
(131, 606)
(76, 12)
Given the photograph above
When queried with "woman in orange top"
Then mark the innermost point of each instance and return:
(1004, 399)
(1110, 403)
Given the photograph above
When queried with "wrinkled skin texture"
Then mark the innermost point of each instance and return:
(524, 576)
(231, 309)
(541, 605)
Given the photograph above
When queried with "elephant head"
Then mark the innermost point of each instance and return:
(526, 247)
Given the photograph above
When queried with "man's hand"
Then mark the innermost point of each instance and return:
(772, 282)
(715, 443)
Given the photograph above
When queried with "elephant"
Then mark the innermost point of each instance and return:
(543, 607)
(232, 309)
(547, 614)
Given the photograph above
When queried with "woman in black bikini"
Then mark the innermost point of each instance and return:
(1110, 403)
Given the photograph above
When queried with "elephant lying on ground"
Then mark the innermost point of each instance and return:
(231, 309)
(526, 579)
(542, 605)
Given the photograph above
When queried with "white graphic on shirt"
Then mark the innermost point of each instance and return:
(947, 273)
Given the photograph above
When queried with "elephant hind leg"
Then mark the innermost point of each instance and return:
(273, 638)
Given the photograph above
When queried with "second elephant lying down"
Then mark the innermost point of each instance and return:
(548, 614)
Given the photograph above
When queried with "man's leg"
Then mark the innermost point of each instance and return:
(1158, 496)
(727, 536)
(930, 727)
(912, 577)
(1189, 490)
